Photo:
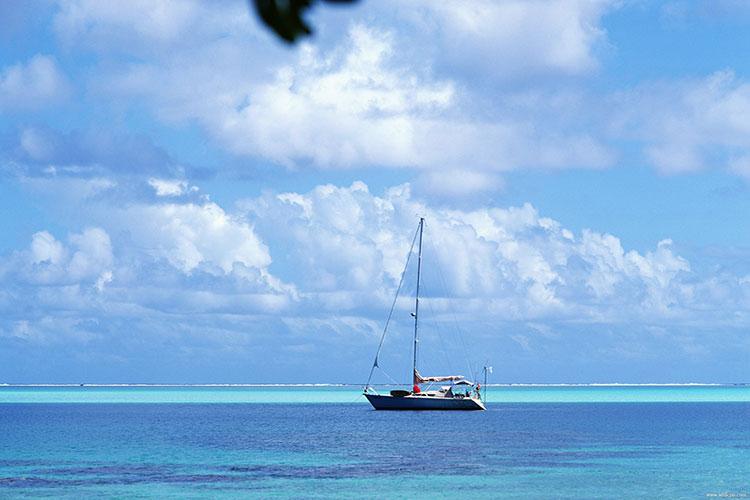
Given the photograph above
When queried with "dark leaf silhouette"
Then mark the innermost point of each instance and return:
(286, 17)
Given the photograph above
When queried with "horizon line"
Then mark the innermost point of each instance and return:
(341, 384)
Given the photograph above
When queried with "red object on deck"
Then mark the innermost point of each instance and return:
(416, 389)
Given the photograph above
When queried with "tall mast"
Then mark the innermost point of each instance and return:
(416, 305)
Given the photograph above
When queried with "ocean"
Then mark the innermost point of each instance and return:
(325, 442)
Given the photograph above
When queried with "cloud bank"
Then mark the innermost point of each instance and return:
(325, 281)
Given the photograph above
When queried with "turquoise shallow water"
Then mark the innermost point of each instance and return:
(352, 394)
(570, 442)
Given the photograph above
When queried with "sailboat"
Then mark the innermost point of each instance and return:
(458, 394)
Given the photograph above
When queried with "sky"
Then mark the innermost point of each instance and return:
(186, 199)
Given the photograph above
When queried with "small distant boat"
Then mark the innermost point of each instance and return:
(458, 394)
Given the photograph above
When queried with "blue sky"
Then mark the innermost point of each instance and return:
(185, 199)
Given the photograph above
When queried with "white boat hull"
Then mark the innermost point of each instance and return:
(414, 402)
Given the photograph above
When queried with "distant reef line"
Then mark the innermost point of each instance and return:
(324, 385)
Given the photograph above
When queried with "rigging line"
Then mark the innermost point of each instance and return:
(434, 321)
(393, 306)
(436, 324)
(356, 400)
(453, 314)
(394, 381)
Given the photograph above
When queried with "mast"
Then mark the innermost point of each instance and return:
(416, 301)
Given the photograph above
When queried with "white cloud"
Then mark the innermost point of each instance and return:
(368, 99)
(33, 84)
(190, 235)
(92, 256)
(187, 267)
(692, 124)
(45, 248)
(516, 38)
(142, 25)
(341, 110)
(170, 187)
(85, 259)
(338, 110)
(347, 248)
(361, 100)
(102, 280)
(183, 258)
(355, 106)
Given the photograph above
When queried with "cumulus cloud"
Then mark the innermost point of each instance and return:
(358, 100)
(348, 247)
(521, 38)
(92, 255)
(86, 258)
(190, 235)
(170, 187)
(45, 248)
(353, 100)
(231, 279)
(343, 110)
(690, 125)
(167, 260)
(356, 106)
(143, 25)
(343, 249)
(33, 84)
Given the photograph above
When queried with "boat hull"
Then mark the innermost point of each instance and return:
(411, 402)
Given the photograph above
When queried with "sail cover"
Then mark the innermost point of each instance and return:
(419, 379)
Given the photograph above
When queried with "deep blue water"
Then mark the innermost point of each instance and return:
(538, 450)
